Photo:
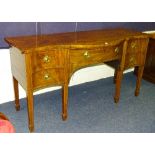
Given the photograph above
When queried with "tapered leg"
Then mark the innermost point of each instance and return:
(16, 93)
(139, 78)
(115, 76)
(30, 109)
(135, 70)
(64, 101)
(118, 86)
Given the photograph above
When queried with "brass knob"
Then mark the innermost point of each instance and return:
(86, 54)
(117, 50)
(46, 59)
(133, 45)
(46, 76)
(106, 43)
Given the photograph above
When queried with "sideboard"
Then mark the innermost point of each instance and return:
(41, 61)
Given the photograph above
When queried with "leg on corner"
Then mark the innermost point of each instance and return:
(118, 86)
(16, 94)
(64, 101)
(30, 109)
(139, 78)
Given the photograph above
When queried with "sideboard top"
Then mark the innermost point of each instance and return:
(71, 39)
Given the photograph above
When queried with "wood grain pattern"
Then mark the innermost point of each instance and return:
(71, 40)
(48, 77)
(120, 70)
(49, 60)
(86, 57)
(16, 93)
(29, 92)
(136, 52)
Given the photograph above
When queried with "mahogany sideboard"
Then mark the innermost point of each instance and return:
(41, 61)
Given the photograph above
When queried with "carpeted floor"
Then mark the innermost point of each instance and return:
(91, 109)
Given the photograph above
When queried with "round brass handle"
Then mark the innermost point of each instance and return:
(117, 50)
(46, 76)
(46, 59)
(86, 54)
(133, 45)
(131, 59)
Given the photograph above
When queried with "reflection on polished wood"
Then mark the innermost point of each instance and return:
(50, 60)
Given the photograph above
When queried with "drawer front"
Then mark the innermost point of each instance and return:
(81, 58)
(137, 46)
(136, 53)
(48, 77)
(134, 59)
(47, 59)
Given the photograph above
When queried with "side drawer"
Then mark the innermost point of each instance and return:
(134, 59)
(137, 46)
(136, 53)
(47, 78)
(47, 59)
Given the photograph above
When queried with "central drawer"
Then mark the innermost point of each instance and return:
(47, 59)
(86, 57)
